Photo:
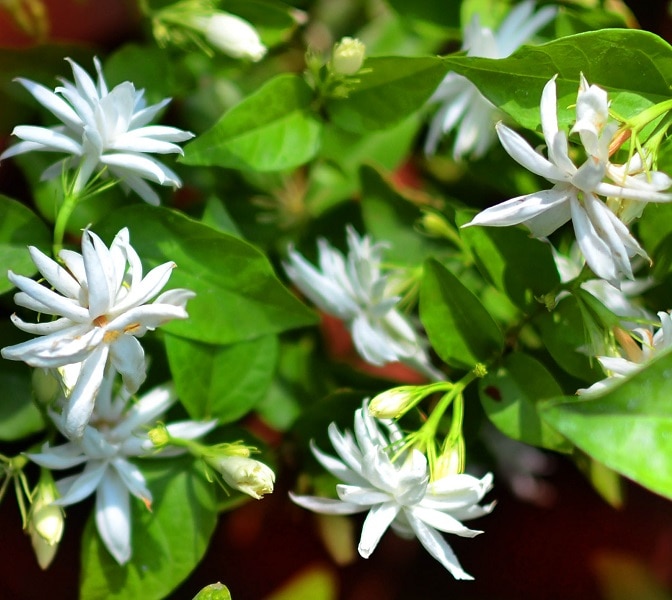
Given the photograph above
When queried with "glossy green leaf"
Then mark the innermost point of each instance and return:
(634, 66)
(222, 382)
(510, 395)
(313, 583)
(511, 260)
(390, 217)
(19, 417)
(447, 14)
(163, 553)
(214, 591)
(271, 130)
(19, 228)
(564, 335)
(459, 328)
(238, 296)
(629, 428)
(388, 90)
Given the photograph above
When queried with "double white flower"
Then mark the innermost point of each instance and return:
(463, 107)
(397, 493)
(101, 299)
(102, 128)
(115, 434)
(355, 290)
(605, 241)
(633, 357)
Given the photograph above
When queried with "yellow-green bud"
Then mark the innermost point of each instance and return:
(393, 403)
(46, 522)
(244, 474)
(348, 56)
(159, 436)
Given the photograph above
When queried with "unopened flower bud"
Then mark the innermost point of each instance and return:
(231, 34)
(46, 522)
(348, 56)
(159, 436)
(244, 474)
(393, 403)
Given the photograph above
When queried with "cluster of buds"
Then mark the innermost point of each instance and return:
(230, 461)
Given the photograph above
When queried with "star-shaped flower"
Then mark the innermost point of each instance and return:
(102, 128)
(605, 241)
(396, 491)
(102, 300)
(116, 433)
(355, 290)
(463, 107)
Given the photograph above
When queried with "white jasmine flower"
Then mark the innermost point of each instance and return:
(230, 34)
(633, 356)
(102, 301)
(115, 433)
(244, 474)
(463, 107)
(102, 129)
(355, 290)
(397, 493)
(605, 241)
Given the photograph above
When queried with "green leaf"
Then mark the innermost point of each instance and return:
(19, 417)
(634, 66)
(459, 328)
(163, 553)
(388, 90)
(222, 382)
(511, 260)
(271, 130)
(510, 396)
(214, 591)
(629, 428)
(447, 14)
(390, 217)
(238, 296)
(19, 228)
(313, 583)
(564, 335)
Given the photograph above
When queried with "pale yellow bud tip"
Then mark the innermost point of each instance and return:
(348, 56)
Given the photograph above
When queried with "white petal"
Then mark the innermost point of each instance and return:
(526, 156)
(338, 469)
(65, 456)
(442, 521)
(128, 358)
(327, 506)
(437, 547)
(83, 396)
(133, 479)
(375, 525)
(83, 485)
(57, 304)
(521, 209)
(145, 412)
(149, 287)
(50, 139)
(57, 106)
(113, 516)
(56, 275)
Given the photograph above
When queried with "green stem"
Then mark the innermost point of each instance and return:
(64, 214)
